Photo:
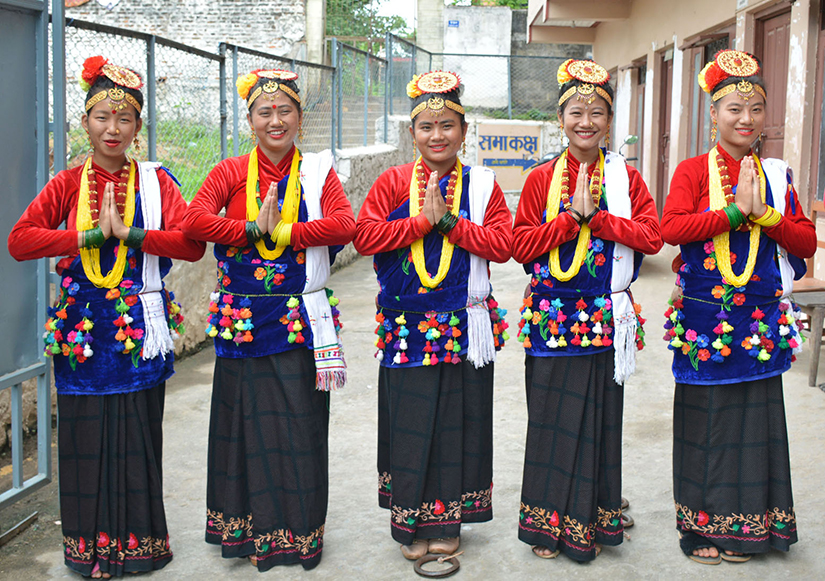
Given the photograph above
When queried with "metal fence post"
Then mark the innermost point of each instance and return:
(335, 82)
(151, 90)
(413, 62)
(509, 88)
(235, 134)
(222, 89)
(59, 89)
(340, 96)
(389, 50)
(366, 95)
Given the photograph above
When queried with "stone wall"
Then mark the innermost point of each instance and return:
(276, 26)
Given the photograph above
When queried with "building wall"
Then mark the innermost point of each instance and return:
(276, 26)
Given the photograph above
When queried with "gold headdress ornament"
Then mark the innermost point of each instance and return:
(726, 64)
(436, 82)
(96, 66)
(270, 89)
(592, 75)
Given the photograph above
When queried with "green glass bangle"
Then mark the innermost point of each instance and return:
(447, 223)
(735, 216)
(135, 237)
(253, 232)
(93, 238)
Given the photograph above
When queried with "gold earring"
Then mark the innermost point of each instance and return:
(464, 147)
(607, 139)
(136, 143)
(254, 139)
(713, 132)
(300, 130)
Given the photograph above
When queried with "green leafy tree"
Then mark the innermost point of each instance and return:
(359, 18)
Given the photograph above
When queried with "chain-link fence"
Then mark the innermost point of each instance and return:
(193, 116)
(495, 86)
(360, 96)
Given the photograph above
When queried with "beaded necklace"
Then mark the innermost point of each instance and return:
(88, 217)
(560, 193)
(720, 196)
(292, 199)
(418, 190)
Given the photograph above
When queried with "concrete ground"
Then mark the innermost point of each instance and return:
(357, 541)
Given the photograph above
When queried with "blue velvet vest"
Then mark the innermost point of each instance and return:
(250, 308)
(727, 334)
(95, 334)
(420, 326)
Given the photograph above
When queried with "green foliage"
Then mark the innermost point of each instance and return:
(359, 18)
(514, 4)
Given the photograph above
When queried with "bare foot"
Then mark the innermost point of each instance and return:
(707, 552)
(545, 552)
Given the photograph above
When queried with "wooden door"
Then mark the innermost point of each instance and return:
(663, 153)
(641, 73)
(772, 43)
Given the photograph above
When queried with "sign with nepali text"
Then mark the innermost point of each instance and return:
(510, 150)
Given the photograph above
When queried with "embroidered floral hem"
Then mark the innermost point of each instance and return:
(473, 507)
(546, 527)
(238, 538)
(760, 532)
(133, 553)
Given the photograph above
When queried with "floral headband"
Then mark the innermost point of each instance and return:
(590, 74)
(436, 82)
(246, 82)
(726, 64)
(94, 67)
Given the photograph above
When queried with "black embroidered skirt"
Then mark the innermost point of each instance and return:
(111, 492)
(435, 448)
(571, 492)
(268, 473)
(731, 468)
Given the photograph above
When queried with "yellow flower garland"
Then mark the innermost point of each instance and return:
(292, 199)
(417, 248)
(553, 202)
(90, 257)
(721, 243)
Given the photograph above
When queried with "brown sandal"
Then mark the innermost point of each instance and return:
(414, 551)
(551, 555)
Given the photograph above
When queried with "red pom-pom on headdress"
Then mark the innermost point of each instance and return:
(92, 68)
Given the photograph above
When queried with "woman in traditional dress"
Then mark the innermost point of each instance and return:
(433, 225)
(275, 327)
(110, 332)
(580, 326)
(733, 332)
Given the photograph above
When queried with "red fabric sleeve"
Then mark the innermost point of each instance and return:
(170, 241)
(794, 232)
(35, 235)
(641, 231)
(683, 218)
(493, 240)
(531, 236)
(338, 224)
(202, 222)
(373, 234)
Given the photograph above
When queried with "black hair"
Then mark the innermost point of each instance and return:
(453, 96)
(104, 83)
(577, 83)
(289, 84)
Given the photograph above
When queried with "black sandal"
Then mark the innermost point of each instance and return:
(689, 542)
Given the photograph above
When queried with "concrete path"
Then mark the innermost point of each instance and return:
(358, 543)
